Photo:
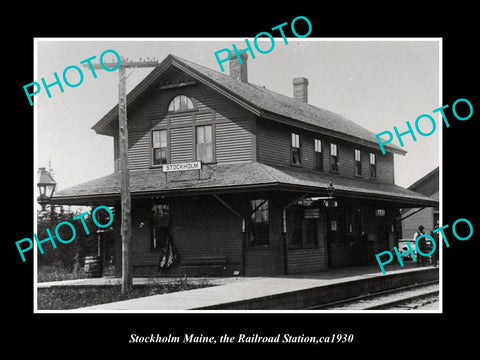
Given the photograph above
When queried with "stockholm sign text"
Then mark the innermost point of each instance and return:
(194, 165)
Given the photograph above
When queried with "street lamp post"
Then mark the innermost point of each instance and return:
(46, 186)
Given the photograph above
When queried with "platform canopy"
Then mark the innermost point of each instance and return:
(236, 177)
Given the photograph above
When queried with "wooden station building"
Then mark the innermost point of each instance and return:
(284, 187)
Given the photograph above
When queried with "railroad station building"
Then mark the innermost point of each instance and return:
(283, 187)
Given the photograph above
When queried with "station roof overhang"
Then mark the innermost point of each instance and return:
(237, 178)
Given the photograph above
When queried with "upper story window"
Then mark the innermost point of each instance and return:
(358, 162)
(333, 157)
(159, 147)
(295, 149)
(318, 155)
(181, 103)
(204, 143)
(373, 166)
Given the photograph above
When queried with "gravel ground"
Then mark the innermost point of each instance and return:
(362, 304)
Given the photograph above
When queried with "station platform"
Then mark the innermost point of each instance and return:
(290, 292)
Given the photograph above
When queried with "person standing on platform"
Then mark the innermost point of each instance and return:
(436, 254)
(421, 260)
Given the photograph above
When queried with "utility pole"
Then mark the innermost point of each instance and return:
(126, 227)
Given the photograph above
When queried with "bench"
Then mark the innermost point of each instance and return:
(206, 265)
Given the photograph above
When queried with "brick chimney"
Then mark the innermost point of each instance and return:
(237, 70)
(300, 89)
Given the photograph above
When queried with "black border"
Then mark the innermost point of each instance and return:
(384, 334)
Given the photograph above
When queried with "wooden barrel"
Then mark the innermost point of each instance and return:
(93, 266)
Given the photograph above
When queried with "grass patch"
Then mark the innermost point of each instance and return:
(72, 297)
(56, 272)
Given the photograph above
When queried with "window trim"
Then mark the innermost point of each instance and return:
(298, 148)
(152, 157)
(317, 165)
(258, 205)
(359, 161)
(374, 164)
(305, 244)
(336, 158)
(194, 104)
(214, 154)
(296, 213)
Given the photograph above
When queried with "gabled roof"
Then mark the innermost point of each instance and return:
(257, 99)
(427, 185)
(432, 175)
(236, 177)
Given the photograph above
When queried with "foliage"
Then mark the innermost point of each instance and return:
(69, 256)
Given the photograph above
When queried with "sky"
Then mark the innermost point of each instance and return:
(377, 83)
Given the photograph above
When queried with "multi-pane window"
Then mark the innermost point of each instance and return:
(259, 224)
(358, 162)
(310, 230)
(159, 226)
(333, 157)
(295, 229)
(318, 155)
(302, 227)
(295, 149)
(159, 147)
(204, 142)
(180, 103)
(373, 166)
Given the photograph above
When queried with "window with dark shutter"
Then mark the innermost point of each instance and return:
(373, 166)
(333, 157)
(358, 162)
(318, 161)
(295, 150)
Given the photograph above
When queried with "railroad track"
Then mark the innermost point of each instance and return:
(394, 298)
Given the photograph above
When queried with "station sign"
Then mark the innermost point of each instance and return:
(194, 165)
(311, 213)
(324, 202)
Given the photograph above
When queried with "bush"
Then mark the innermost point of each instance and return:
(65, 259)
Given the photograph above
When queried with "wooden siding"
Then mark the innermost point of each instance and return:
(274, 142)
(340, 254)
(183, 151)
(200, 228)
(259, 262)
(233, 141)
(385, 171)
(232, 124)
(410, 225)
(181, 119)
(306, 260)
